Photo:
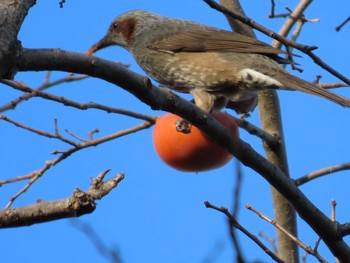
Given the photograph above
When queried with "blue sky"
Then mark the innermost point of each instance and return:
(157, 213)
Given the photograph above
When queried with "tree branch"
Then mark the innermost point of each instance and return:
(321, 172)
(34, 176)
(235, 224)
(12, 14)
(307, 249)
(111, 254)
(82, 106)
(160, 98)
(13, 103)
(254, 130)
(338, 28)
(80, 203)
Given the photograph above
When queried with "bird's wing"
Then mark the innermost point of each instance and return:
(211, 39)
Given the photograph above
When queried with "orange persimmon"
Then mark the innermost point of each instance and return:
(192, 152)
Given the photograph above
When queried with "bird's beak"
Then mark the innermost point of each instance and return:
(104, 42)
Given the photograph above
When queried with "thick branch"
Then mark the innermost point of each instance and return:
(12, 14)
(80, 203)
(160, 98)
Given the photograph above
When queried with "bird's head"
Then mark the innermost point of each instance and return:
(125, 29)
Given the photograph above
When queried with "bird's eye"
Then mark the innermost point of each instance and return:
(115, 25)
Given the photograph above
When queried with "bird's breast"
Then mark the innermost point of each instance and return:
(184, 71)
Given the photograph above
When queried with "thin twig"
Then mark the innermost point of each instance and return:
(333, 218)
(91, 133)
(338, 28)
(334, 204)
(46, 84)
(82, 106)
(75, 136)
(47, 77)
(270, 240)
(308, 249)
(328, 85)
(48, 164)
(111, 254)
(61, 3)
(55, 135)
(254, 130)
(333, 85)
(318, 241)
(295, 35)
(272, 13)
(236, 205)
(237, 190)
(321, 172)
(235, 224)
(16, 179)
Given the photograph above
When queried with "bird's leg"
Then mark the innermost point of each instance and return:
(219, 103)
(203, 99)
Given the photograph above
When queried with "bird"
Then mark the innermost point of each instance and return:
(215, 66)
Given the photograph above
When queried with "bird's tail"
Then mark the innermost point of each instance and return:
(292, 82)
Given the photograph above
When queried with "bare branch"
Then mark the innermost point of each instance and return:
(338, 28)
(34, 176)
(254, 130)
(270, 240)
(272, 13)
(344, 229)
(237, 190)
(308, 249)
(333, 85)
(321, 172)
(334, 204)
(235, 224)
(111, 254)
(61, 3)
(67, 102)
(55, 135)
(47, 84)
(16, 179)
(236, 206)
(75, 136)
(80, 203)
(329, 85)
